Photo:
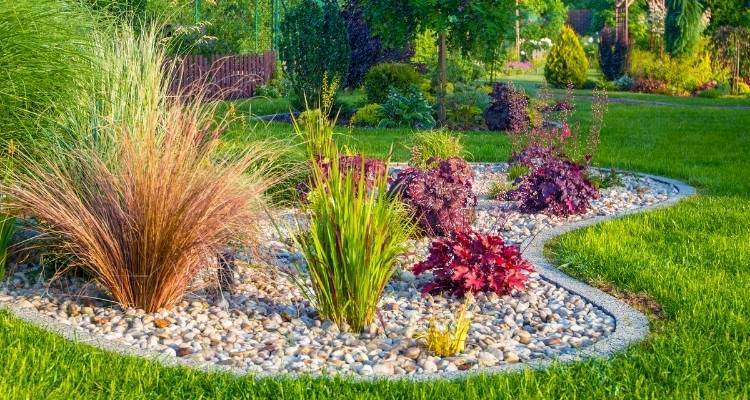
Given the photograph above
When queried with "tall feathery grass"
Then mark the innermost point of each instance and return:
(355, 238)
(436, 144)
(45, 58)
(137, 193)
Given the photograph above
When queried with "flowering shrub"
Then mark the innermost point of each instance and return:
(508, 110)
(473, 262)
(533, 156)
(373, 169)
(557, 186)
(441, 197)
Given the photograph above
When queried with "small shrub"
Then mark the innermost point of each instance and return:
(471, 262)
(313, 46)
(407, 109)
(517, 172)
(598, 181)
(367, 115)
(711, 93)
(447, 341)
(464, 106)
(614, 54)
(533, 156)
(441, 197)
(558, 187)
(508, 110)
(624, 83)
(354, 240)
(567, 62)
(650, 86)
(498, 188)
(382, 78)
(434, 146)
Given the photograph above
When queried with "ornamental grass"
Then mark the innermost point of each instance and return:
(137, 193)
(355, 236)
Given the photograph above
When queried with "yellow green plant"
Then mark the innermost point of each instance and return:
(447, 341)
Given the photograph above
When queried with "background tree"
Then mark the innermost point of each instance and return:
(366, 48)
(566, 62)
(614, 54)
(682, 26)
(314, 45)
(731, 47)
(475, 27)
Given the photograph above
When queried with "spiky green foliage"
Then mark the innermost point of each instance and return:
(682, 26)
(314, 45)
(567, 62)
(355, 236)
(44, 61)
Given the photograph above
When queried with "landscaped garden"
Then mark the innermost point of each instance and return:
(419, 201)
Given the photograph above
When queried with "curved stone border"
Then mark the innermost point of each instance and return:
(631, 325)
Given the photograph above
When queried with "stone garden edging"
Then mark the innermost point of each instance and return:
(631, 325)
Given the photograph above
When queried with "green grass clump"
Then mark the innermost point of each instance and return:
(45, 58)
(435, 144)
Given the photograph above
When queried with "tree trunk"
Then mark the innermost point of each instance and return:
(441, 77)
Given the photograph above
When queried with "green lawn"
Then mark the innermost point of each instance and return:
(693, 258)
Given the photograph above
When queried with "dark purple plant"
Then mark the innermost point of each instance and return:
(508, 110)
(474, 262)
(366, 49)
(650, 86)
(558, 187)
(441, 197)
(354, 164)
(534, 156)
(614, 54)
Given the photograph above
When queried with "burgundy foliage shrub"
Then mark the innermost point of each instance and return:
(508, 110)
(356, 164)
(441, 197)
(558, 186)
(533, 156)
(650, 86)
(474, 262)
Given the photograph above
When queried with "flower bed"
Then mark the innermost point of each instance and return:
(264, 325)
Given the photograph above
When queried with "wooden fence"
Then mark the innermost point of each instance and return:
(223, 77)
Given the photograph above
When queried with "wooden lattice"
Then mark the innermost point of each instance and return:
(621, 18)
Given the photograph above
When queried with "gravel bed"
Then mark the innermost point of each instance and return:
(264, 325)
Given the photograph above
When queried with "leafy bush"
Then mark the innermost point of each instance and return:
(567, 62)
(614, 54)
(355, 237)
(624, 83)
(650, 86)
(314, 47)
(367, 50)
(465, 104)
(367, 115)
(103, 198)
(383, 78)
(508, 110)
(407, 109)
(557, 186)
(441, 197)
(533, 156)
(472, 262)
(431, 146)
(680, 75)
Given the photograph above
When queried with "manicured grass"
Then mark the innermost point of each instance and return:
(693, 258)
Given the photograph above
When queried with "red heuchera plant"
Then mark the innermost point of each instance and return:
(474, 262)
(557, 186)
(441, 197)
(356, 165)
